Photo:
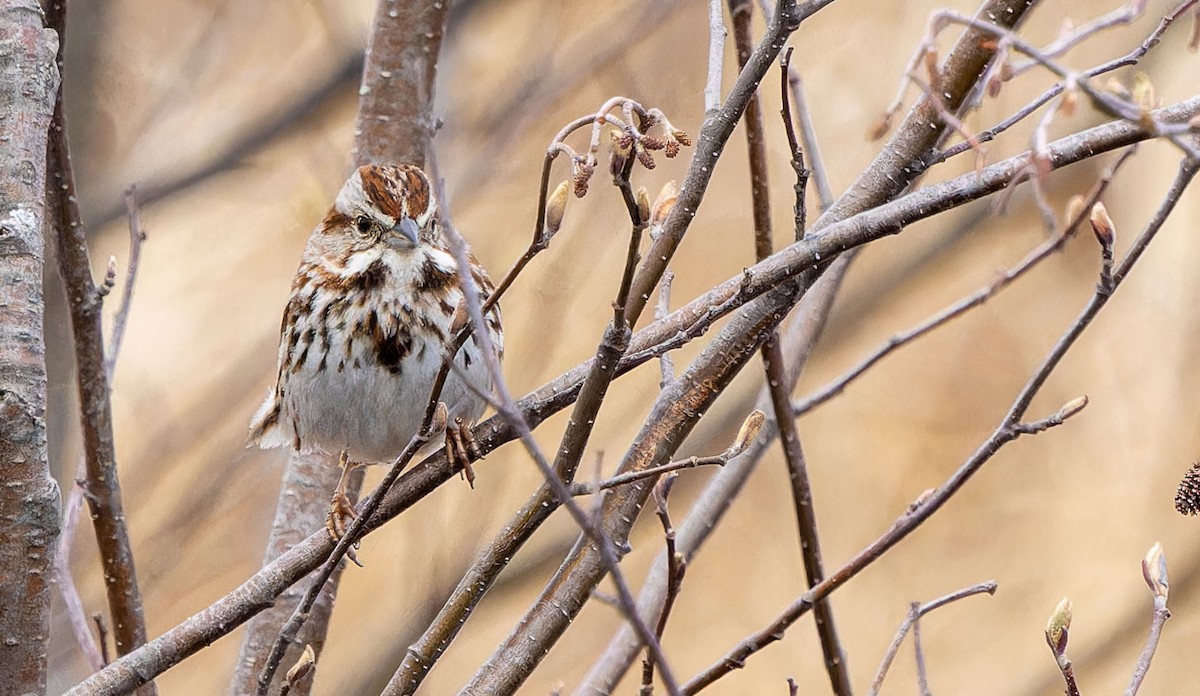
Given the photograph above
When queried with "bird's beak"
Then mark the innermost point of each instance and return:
(404, 233)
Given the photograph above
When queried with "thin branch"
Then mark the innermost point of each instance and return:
(716, 57)
(1154, 570)
(1010, 428)
(666, 365)
(916, 611)
(676, 567)
(84, 301)
(919, 653)
(137, 237)
(290, 629)
(593, 487)
(777, 382)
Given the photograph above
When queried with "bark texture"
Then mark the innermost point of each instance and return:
(29, 498)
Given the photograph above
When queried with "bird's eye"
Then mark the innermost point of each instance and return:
(362, 223)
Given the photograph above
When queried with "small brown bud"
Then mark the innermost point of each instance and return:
(1187, 496)
(664, 203)
(643, 204)
(643, 155)
(304, 666)
(651, 142)
(1056, 627)
(1154, 570)
(680, 137)
(556, 208)
(746, 434)
(581, 173)
(1102, 225)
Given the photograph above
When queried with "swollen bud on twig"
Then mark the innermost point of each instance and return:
(1072, 407)
(663, 204)
(1154, 570)
(303, 667)
(110, 278)
(556, 207)
(1056, 627)
(1187, 497)
(643, 205)
(1102, 225)
(746, 434)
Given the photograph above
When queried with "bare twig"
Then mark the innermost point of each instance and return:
(915, 612)
(1154, 570)
(713, 136)
(103, 488)
(136, 238)
(666, 365)
(919, 652)
(290, 629)
(716, 57)
(1010, 428)
(676, 567)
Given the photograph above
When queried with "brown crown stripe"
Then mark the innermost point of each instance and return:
(379, 185)
(417, 190)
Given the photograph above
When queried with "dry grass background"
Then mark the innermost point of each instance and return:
(159, 91)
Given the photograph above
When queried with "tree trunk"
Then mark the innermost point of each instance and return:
(29, 498)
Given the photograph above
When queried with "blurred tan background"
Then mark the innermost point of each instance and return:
(237, 118)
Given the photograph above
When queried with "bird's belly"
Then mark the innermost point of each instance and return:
(372, 411)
